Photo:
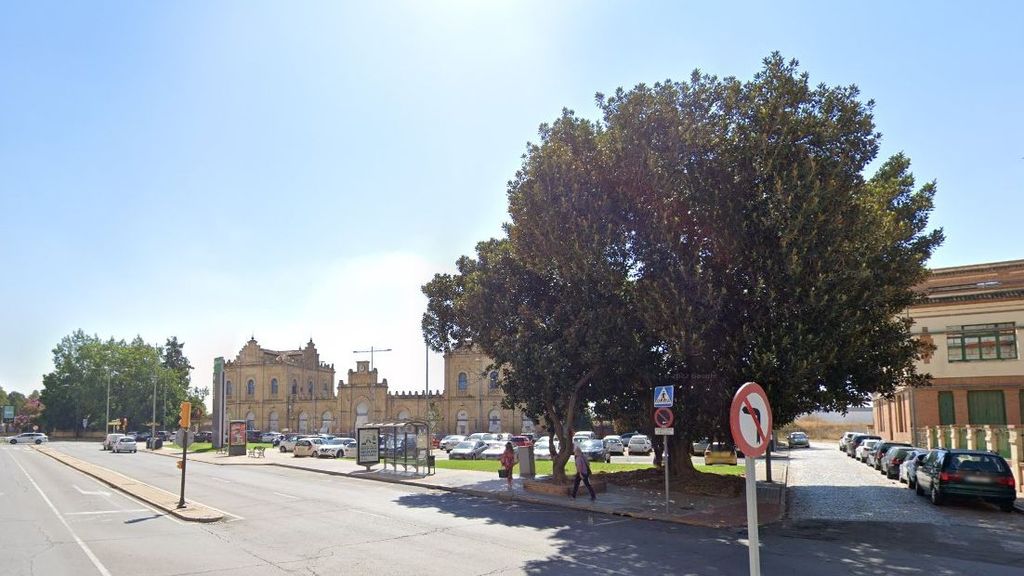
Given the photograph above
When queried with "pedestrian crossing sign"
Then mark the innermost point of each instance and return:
(664, 396)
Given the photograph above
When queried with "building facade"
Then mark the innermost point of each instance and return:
(973, 316)
(294, 391)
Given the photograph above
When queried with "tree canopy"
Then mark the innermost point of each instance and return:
(702, 234)
(135, 372)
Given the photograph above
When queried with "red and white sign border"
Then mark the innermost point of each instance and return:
(740, 401)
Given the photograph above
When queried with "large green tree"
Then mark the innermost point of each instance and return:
(702, 234)
(135, 373)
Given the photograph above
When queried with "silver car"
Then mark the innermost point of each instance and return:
(451, 441)
(29, 438)
(613, 445)
(468, 450)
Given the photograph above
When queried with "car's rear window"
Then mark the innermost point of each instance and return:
(976, 463)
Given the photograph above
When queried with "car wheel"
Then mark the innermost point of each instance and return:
(337, 454)
(936, 496)
(39, 441)
(911, 483)
(14, 441)
(283, 451)
(1006, 506)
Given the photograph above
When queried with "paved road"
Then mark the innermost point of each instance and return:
(287, 521)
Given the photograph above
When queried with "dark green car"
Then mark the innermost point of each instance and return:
(966, 473)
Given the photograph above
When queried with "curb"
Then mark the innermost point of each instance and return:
(173, 511)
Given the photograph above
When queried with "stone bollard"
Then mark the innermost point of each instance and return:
(1016, 460)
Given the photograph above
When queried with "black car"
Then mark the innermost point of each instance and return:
(595, 451)
(204, 436)
(967, 474)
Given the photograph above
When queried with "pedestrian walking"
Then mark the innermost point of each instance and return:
(508, 460)
(582, 473)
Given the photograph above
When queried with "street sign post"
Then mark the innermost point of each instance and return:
(664, 398)
(750, 419)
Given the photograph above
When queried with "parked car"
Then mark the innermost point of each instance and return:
(467, 450)
(521, 441)
(908, 469)
(493, 451)
(719, 453)
(333, 448)
(125, 444)
(639, 444)
(451, 441)
(967, 474)
(253, 436)
(287, 443)
(143, 436)
(855, 441)
(614, 445)
(625, 437)
(845, 439)
(111, 439)
(269, 437)
(861, 451)
(697, 447)
(874, 456)
(595, 451)
(890, 462)
(579, 437)
(29, 438)
(307, 446)
(542, 448)
(798, 440)
(204, 436)
(482, 436)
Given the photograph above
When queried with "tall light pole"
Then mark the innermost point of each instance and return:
(152, 423)
(106, 425)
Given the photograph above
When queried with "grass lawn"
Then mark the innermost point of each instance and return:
(208, 446)
(544, 467)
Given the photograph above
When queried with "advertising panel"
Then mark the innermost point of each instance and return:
(8, 412)
(369, 446)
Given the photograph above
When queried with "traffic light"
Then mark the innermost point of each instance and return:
(185, 418)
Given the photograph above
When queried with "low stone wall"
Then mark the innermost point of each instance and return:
(547, 486)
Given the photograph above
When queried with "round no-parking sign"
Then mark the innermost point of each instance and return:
(750, 418)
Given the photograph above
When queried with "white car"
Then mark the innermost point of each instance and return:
(861, 453)
(29, 438)
(307, 446)
(125, 444)
(613, 444)
(451, 441)
(270, 436)
(542, 449)
(639, 444)
(337, 448)
(111, 439)
(495, 448)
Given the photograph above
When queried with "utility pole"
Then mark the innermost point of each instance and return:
(152, 434)
(371, 351)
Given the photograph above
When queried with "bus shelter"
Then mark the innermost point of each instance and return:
(404, 443)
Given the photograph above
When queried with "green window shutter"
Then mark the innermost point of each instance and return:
(986, 407)
(947, 412)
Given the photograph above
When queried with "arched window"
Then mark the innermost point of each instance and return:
(274, 427)
(250, 421)
(403, 415)
(462, 423)
(362, 413)
(326, 421)
(492, 383)
(527, 424)
(327, 390)
(273, 386)
(463, 382)
(494, 421)
(303, 423)
(250, 388)
(295, 387)
(227, 388)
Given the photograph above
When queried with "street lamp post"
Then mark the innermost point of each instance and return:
(106, 425)
(152, 434)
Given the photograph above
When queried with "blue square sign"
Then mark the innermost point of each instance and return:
(664, 396)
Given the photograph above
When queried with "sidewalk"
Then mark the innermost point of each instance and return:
(621, 501)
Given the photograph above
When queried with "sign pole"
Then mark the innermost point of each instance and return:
(664, 464)
(753, 538)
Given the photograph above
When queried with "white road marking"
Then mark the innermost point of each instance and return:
(288, 496)
(133, 510)
(91, 492)
(88, 552)
(369, 514)
(221, 480)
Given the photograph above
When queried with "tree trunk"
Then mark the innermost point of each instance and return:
(680, 464)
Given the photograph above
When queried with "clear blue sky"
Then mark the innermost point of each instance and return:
(215, 170)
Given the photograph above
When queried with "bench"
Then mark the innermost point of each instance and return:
(258, 452)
